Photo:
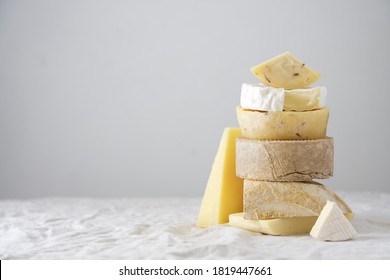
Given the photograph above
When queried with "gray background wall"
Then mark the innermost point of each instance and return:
(129, 98)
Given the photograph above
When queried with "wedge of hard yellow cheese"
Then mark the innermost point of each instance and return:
(284, 160)
(285, 71)
(270, 200)
(224, 190)
(285, 125)
(282, 226)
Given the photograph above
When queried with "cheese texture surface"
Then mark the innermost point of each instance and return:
(265, 98)
(224, 190)
(283, 226)
(332, 225)
(261, 97)
(285, 71)
(270, 200)
(305, 99)
(286, 125)
(281, 160)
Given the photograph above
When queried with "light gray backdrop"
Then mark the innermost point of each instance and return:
(130, 98)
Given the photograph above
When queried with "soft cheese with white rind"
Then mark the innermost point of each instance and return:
(332, 225)
(285, 71)
(224, 190)
(283, 226)
(305, 99)
(265, 98)
(262, 98)
(271, 200)
(286, 125)
(284, 160)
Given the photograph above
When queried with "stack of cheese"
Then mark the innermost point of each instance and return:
(280, 148)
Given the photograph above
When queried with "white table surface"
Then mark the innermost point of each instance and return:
(164, 228)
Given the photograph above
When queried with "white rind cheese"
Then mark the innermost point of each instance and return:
(332, 225)
(305, 99)
(260, 97)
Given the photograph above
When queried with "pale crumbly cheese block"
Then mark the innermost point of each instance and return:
(271, 200)
(283, 226)
(284, 160)
(265, 98)
(224, 190)
(332, 225)
(285, 71)
(286, 125)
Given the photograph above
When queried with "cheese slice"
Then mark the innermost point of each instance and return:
(271, 200)
(283, 226)
(261, 97)
(224, 190)
(265, 98)
(305, 99)
(284, 160)
(286, 125)
(285, 71)
(332, 225)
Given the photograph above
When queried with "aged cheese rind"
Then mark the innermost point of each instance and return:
(332, 225)
(282, 160)
(286, 125)
(224, 190)
(270, 200)
(282, 226)
(265, 98)
(285, 71)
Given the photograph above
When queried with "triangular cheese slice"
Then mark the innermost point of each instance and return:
(332, 225)
(224, 191)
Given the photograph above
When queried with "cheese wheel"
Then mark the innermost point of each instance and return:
(293, 160)
(285, 125)
(283, 226)
(270, 200)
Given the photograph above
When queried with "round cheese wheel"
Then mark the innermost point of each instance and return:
(279, 160)
(285, 125)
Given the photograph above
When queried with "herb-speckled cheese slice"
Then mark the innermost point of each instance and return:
(285, 71)
(285, 125)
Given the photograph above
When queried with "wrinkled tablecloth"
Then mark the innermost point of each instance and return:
(164, 228)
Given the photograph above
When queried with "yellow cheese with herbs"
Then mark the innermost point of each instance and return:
(285, 71)
(224, 190)
(285, 125)
(283, 226)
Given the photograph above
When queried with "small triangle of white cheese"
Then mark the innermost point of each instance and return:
(332, 225)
